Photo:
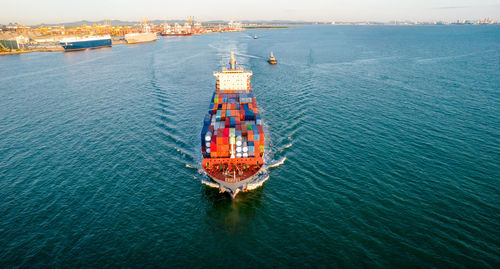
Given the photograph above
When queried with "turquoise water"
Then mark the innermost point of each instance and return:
(391, 137)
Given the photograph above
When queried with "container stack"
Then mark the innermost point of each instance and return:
(232, 128)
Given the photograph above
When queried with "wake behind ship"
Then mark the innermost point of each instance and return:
(81, 43)
(232, 139)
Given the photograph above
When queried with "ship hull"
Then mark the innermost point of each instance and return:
(83, 45)
(177, 34)
(233, 188)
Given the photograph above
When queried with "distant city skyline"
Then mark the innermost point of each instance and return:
(31, 12)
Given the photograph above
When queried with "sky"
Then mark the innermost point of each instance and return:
(30, 12)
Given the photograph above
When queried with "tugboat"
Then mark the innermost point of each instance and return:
(255, 37)
(271, 59)
(232, 138)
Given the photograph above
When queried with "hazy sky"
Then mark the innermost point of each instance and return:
(57, 11)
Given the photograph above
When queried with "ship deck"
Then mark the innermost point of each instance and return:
(232, 170)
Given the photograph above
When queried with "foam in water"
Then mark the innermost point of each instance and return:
(277, 163)
(210, 184)
(259, 181)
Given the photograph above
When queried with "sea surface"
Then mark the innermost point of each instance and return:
(383, 151)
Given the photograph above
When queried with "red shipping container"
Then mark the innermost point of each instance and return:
(225, 140)
(226, 132)
(261, 129)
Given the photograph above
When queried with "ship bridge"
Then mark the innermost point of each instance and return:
(233, 79)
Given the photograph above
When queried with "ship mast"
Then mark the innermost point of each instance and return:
(233, 61)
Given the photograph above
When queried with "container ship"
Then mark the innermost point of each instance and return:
(145, 36)
(81, 43)
(232, 138)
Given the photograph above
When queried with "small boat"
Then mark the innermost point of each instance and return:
(255, 37)
(271, 59)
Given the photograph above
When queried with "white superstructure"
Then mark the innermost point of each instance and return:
(233, 79)
(87, 38)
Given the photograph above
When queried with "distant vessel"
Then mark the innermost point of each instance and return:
(134, 38)
(255, 37)
(271, 59)
(176, 34)
(145, 36)
(232, 139)
(82, 43)
(176, 30)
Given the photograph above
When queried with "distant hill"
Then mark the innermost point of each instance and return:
(212, 22)
(78, 23)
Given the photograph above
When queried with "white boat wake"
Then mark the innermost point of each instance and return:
(210, 184)
(277, 163)
(258, 182)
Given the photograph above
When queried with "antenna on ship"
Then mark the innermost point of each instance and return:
(233, 61)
